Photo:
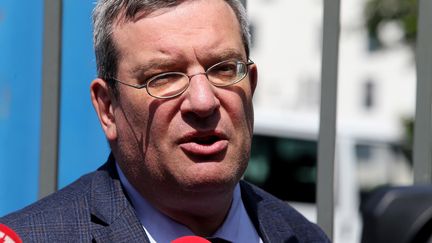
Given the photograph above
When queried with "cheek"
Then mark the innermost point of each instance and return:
(162, 126)
(162, 116)
(132, 118)
(130, 135)
(240, 109)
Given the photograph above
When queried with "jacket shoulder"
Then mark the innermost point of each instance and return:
(57, 217)
(276, 219)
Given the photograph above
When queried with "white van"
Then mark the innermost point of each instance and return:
(283, 162)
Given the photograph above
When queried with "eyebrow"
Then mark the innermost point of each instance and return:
(226, 54)
(156, 63)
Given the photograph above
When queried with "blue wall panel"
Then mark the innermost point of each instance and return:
(20, 88)
(82, 144)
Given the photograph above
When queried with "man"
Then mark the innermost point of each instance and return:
(174, 98)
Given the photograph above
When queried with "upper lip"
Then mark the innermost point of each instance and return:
(202, 136)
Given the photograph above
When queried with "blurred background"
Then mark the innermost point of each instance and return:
(376, 101)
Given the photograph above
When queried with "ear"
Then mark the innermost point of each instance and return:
(103, 102)
(253, 77)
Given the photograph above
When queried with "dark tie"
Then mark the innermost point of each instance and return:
(217, 240)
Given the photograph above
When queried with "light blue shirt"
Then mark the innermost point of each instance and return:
(160, 228)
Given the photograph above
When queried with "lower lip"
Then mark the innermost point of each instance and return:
(204, 149)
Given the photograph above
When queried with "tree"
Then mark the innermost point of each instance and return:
(379, 12)
(405, 13)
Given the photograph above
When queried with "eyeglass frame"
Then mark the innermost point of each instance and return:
(138, 86)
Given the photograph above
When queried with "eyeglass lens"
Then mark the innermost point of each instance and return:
(171, 84)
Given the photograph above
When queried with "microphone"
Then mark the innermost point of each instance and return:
(190, 239)
(8, 235)
(197, 239)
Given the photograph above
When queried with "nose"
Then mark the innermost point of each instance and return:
(200, 97)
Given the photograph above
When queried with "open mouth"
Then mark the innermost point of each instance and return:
(206, 140)
(204, 144)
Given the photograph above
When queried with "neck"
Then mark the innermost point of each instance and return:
(203, 216)
(202, 211)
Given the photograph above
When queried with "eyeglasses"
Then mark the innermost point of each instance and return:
(171, 84)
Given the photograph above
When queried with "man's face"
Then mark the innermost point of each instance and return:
(201, 139)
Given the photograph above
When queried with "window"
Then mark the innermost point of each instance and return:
(285, 167)
(369, 94)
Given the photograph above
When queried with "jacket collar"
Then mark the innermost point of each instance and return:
(112, 216)
(263, 212)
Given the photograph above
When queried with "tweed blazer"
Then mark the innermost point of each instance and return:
(95, 208)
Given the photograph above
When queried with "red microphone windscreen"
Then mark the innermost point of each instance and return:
(8, 235)
(190, 239)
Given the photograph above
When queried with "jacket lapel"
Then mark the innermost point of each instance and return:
(112, 217)
(263, 212)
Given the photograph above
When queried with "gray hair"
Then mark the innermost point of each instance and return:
(107, 12)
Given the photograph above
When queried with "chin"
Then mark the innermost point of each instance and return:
(211, 179)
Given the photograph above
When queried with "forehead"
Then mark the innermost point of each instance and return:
(196, 25)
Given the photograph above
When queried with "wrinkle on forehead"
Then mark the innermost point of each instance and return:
(176, 36)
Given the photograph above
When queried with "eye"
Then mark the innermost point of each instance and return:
(224, 69)
(164, 79)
